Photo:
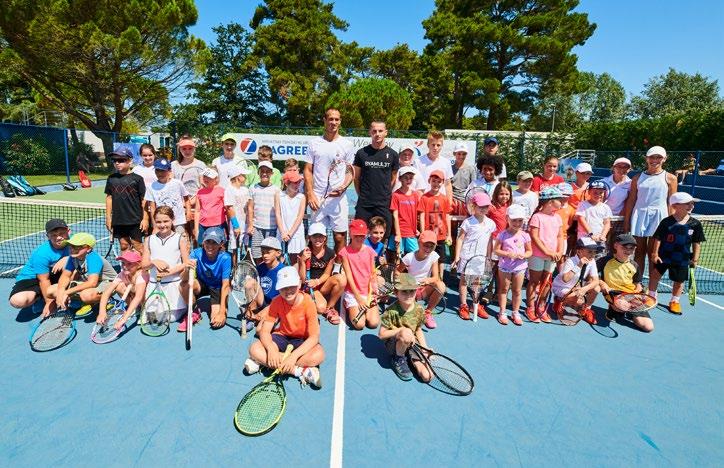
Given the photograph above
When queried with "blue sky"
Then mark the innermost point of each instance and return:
(634, 41)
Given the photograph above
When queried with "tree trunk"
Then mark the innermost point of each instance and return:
(492, 117)
(107, 139)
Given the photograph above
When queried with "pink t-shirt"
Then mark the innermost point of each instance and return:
(514, 243)
(211, 206)
(360, 262)
(549, 228)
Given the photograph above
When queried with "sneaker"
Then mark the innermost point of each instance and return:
(196, 317)
(544, 317)
(502, 318)
(430, 321)
(251, 367)
(464, 312)
(311, 376)
(516, 319)
(610, 315)
(530, 313)
(675, 308)
(400, 367)
(588, 316)
(558, 307)
(482, 313)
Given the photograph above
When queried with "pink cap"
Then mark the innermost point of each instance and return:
(481, 199)
(427, 236)
(291, 177)
(130, 256)
(438, 173)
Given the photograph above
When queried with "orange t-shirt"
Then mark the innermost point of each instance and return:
(578, 194)
(295, 321)
(437, 210)
(566, 213)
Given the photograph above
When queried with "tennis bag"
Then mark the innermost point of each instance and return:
(84, 180)
(19, 189)
(6, 188)
(21, 178)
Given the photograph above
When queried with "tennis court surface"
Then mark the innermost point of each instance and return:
(544, 395)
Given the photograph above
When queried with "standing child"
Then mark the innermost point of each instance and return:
(548, 241)
(377, 227)
(677, 246)
(407, 157)
(404, 213)
(567, 214)
(423, 266)
(289, 208)
(358, 261)
(237, 200)
(292, 165)
(593, 215)
(228, 160)
(209, 210)
(131, 276)
(146, 169)
(266, 154)
(473, 239)
(584, 171)
(513, 246)
(524, 196)
(125, 216)
(169, 192)
(264, 220)
(567, 279)
(434, 212)
(501, 200)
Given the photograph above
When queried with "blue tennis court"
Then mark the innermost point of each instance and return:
(544, 395)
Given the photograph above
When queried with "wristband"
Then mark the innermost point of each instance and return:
(235, 223)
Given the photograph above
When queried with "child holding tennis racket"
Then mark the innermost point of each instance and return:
(236, 201)
(548, 242)
(264, 221)
(513, 246)
(404, 213)
(131, 276)
(298, 326)
(501, 199)
(401, 327)
(358, 261)
(290, 207)
(473, 240)
(268, 269)
(566, 288)
(423, 266)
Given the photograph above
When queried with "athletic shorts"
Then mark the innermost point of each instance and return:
(129, 231)
(213, 293)
(334, 213)
(407, 245)
(541, 264)
(282, 341)
(27, 285)
(102, 285)
(613, 313)
(349, 299)
(677, 273)
(257, 236)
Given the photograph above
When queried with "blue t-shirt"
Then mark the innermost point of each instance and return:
(41, 261)
(268, 279)
(379, 249)
(212, 273)
(93, 264)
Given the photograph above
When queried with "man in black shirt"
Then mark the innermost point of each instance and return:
(125, 217)
(375, 172)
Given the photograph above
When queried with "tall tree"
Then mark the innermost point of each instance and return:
(500, 52)
(368, 99)
(102, 62)
(676, 93)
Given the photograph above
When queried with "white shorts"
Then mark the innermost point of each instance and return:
(541, 264)
(349, 299)
(334, 213)
(561, 293)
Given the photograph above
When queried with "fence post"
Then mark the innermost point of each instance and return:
(696, 172)
(522, 152)
(65, 149)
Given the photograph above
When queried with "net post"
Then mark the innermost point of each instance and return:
(696, 171)
(65, 150)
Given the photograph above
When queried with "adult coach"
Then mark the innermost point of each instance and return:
(327, 176)
(375, 172)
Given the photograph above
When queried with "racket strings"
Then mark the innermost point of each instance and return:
(261, 408)
(451, 374)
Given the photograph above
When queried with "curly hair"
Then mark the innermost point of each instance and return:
(495, 161)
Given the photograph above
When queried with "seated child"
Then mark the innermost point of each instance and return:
(131, 276)
(586, 293)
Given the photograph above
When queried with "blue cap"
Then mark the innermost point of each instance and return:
(549, 193)
(598, 184)
(215, 234)
(490, 140)
(162, 164)
(122, 152)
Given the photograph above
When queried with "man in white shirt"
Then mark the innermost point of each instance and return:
(433, 161)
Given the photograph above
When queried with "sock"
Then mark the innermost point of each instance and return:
(675, 298)
(298, 371)
(653, 294)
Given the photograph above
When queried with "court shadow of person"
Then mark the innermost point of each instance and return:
(374, 348)
(28, 314)
(603, 325)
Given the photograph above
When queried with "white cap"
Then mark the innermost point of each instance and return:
(682, 197)
(317, 228)
(460, 147)
(584, 167)
(235, 170)
(516, 212)
(406, 170)
(210, 173)
(265, 164)
(409, 147)
(586, 243)
(272, 243)
(287, 276)
(656, 150)
(623, 161)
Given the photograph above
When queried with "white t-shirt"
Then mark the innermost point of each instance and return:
(503, 173)
(222, 165)
(617, 193)
(594, 216)
(323, 154)
(238, 198)
(561, 287)
(420, 269)
(425, 165)
(148, 174)
(528, 200)
(477, 238)
(489, 187)
(178, 173)
(170, 194)
(417, 182)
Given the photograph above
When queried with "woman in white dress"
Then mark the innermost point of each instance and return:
(648, 202)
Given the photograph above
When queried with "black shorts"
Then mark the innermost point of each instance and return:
(27, 285)
(442, 249)
(213, 293)
(129, 231)
(677, 273)
(613, 313)
(282, 341)
(366, 213)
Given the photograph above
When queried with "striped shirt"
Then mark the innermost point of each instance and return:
(263, 197)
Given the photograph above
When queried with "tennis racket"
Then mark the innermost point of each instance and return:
(630, 303)
(363, 308)
(189, 311)
(262, 408)
(112, 248)
(571, 313)
(156, 313)
(448, 372)
(53, 332)
(442, 304)
(285, 253)
(472, 191)
(106, 332)
(478, 274)
(244, 287)
(338, 171)
(308, 267)
(544, 295)
(692, 286)
(191, 178)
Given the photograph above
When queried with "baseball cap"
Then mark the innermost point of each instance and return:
(625, 239)
(565, 188)
(291, 177)
(130, 256)
(55, 223)
(481, 199)
(525, 175)
(265, 164)
(186, 142)
(215, 234)
(490, 140)
(81, 239)
(286, 277)
(235, 171)
(437, 173)
(516, 212)
(656, 150)
(122, 152)
(622, 161)
(461, 147)
(597, 184)
(405, 282)
(427, 236)
(586, 243)
(550, 193)
(682, 197)
(584, 167)
(317, 228)
(271, 243)
(405, 170)
(228, 136)
(210, 173)
(408, 147)
(357, 227)
(162, 164)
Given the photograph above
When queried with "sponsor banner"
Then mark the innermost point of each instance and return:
(295, 146)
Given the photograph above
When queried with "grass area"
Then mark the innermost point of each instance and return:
(53, 179)
(85, 195)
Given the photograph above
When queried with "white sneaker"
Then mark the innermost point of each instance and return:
(311, 376)
(251, 367)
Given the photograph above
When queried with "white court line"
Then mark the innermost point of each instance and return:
(697, 297)
(337, 446)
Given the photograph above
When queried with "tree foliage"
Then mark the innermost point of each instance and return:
(676, 93)
(374, 98)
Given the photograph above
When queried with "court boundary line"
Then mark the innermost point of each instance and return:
(337, 439)
(697, 297)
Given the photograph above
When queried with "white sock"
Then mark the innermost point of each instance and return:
(653, 294)
(675, 298)
(298, 371)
